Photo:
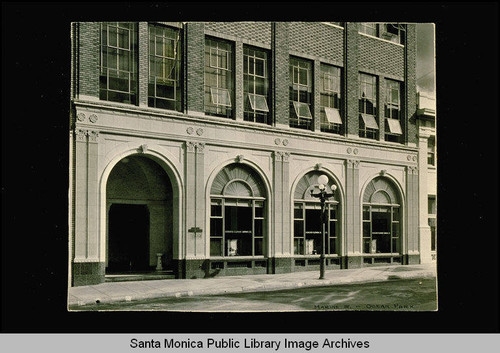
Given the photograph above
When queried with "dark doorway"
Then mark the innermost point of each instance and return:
(128, 238)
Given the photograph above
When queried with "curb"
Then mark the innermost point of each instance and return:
(75, 301)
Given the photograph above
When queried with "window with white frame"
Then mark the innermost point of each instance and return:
(219, 80)
(393, 32)
(330, 99)
(368, 125)
(118, 62)
(301, 94)
(393, 111)
(256, 85)
(431, 151)
(237, 213)
(307, 220)
(381, 223)
(164, 86)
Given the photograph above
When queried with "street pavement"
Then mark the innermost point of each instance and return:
(112, 292)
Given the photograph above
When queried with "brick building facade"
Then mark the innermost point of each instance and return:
(195, 147)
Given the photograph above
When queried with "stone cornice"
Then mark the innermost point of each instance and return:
(283, 133)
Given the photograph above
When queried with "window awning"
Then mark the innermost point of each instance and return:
(333, 115)
(394, 126)
(220, 96)
(369, 121)
(302, 110)
(258, 102)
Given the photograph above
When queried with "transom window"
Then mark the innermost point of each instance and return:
(393, 111)
(330, 99)
(381, 222)
(256, 85)
(218, 78)
(118, 62)
(237, 213)
(393, 32)
(301, 94)
(307, 223)
(164, 88)
(368, 126)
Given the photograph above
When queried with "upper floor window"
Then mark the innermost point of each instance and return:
(301, 94)
(431, 151)
(368, 125)
(393, 111)
(393, 32)
(164, 85)
(219, 82)
(330, 101)
(256, 85)
(118, 62)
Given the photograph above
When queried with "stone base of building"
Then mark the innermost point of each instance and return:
(88, 273)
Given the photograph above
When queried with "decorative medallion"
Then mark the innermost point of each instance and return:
(355, 151)
(414, 158)
(199, 131)
(190, 130)
(408, 158)
(349, 150)
(80, 117)
(93, 118)
(277, 141)
(285, 142)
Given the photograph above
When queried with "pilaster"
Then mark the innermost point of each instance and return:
(423, 226)
(81, 202)
(190, 189)
(276, 234)
(412, 211)
(92, 196)
(353, 211)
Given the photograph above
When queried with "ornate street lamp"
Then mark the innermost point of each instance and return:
(323, 197)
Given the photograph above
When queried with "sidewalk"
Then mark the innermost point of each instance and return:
(129, 291)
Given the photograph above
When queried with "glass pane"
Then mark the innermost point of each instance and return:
(298, 246)
(333, 212)
(333, 246)
(123, 39)
(259, 228)
(166, 90)
(366, 245)
(381, 243)
(112, 36)
(366, 229)
(395, 245)
(216, 227)
(259, 246)
(238, 220)
(395, 215)
(216, 208)
(215, 247)
(395, 230)
(366, 213)
(260, 67)
(298, 227)
(297, 213)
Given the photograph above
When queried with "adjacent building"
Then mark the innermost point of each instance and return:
(195, 148)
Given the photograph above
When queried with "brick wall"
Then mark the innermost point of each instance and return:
(411, 83)
(281, 73)
(194, 66)
(380, 56)
(254, 31)
(317, 39)
(143, 60)
(88, 80)
(351, 79)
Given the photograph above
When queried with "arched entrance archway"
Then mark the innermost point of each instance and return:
(382, 219)
(307, 225)
(140, 213)
(238, 218)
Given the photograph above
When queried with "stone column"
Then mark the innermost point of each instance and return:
(352, 223)
(87, 268)
(412, 215)
(279, 235)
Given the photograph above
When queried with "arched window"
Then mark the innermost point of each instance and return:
(381, 222)
(307, 224)
(237, 213)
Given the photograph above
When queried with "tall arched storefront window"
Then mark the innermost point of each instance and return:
(237, 213)
(307, 226)
(381, 223)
